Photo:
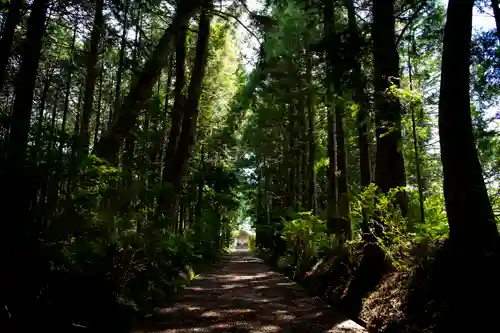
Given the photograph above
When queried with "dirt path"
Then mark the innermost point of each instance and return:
(242, 295)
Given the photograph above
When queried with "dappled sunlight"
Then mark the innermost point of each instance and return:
(285, 284)
(233, 311)
(195, 288)
(181, 307)
(211, 314)
(245, 296)
(268, 328)
(345, 326)
(234, 285)
(261, 287)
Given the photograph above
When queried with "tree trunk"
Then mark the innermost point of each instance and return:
(175, 175)
(304, 160)
(13, 18)
(154, 144)
(201, 185)
(128, 167)
(390, 171)
(72, 168)
(496, 13)
(164, 142)
(48, 170)
(43, 102)
(343, 183)
(330, 38)
(90, 80)
(121, 60)
(18, 245)
(24, 88)
(98, 115)
(473, 240)
(67, 94)
(159, 143)
(177, 115)
(336, 68)
(469, 211)
(311, 118)
(416, 146)
(142, 84)
(291, 163)
(362, 117)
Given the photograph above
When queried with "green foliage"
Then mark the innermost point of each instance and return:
(306, 236)
(400, 234)
(384, 214)
(251, 244)
(145, 268)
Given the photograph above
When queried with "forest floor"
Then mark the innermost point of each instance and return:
(242, 294)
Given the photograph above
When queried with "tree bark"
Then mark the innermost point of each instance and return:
(175, 175)
(162, 148)
(13, 18)
(177, 116)
(67, 94)
(343, 182)
(389, 171)
(496, 13)
(362, 117)
(41, 111)
(311, 118)
(291, 163)
(142, 84)
(339, 220)
(19, 241)
(90, 80)
(160, 145)
(332, 204)
(469, 211)
(201, 185)
(98, 115)
(121, 60)
(416, 146)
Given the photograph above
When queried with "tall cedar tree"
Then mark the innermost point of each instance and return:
(496, 14)
(331, 38)
(18, 234)
(339, 220)
(468, 208)
(362, 116)
(390, 171)
(121, 60)
(177, 113)
(13, 17)
(92, 73)
(176, 173)
(142, 84)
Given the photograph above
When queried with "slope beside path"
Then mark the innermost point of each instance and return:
(242, 294)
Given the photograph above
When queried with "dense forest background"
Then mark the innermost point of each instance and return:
(361, 138)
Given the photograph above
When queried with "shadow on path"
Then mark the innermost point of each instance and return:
(242, 295)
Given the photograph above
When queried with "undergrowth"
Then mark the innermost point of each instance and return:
(116, 262)
(414, 296)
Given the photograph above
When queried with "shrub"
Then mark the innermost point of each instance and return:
(251, 244)
(306, 237)
(401, 234)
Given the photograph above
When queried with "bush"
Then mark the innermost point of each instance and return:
(401, 234)
(112, 263)
(306, 238)
(251, 244)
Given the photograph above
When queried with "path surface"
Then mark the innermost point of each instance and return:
(243, 295)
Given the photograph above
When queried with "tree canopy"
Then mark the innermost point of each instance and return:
(137, 136)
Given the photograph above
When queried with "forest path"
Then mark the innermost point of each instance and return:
(241, 294)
